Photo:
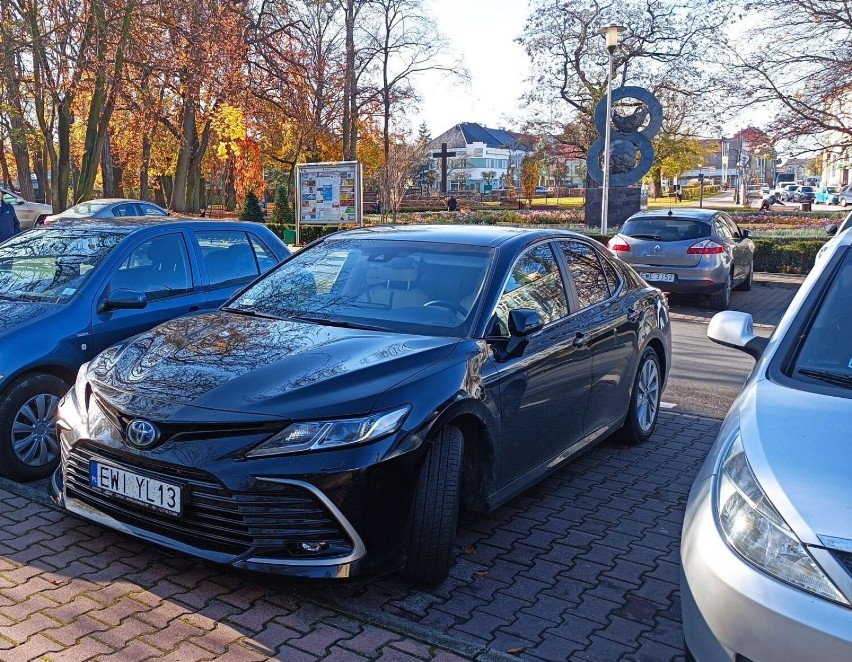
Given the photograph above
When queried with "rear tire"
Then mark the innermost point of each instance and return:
(747, 284)
(435, 510)
(722, 300)
(29, 443)
(644, 400)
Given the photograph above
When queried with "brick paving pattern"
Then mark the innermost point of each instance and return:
(583, 566)
(767, 304)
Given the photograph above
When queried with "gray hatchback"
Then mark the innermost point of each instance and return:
(689, 250)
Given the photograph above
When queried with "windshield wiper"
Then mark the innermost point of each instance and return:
(836, 378)
(331, 322)
(250, 313)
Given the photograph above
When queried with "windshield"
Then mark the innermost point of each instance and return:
(427, 288)
(825, 350)
(832, 189)
(85, 209)
(51, 264)
(668, 228)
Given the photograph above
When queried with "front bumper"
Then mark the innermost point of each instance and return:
(255, 514)
(731, 608)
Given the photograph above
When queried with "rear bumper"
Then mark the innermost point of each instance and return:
(688, 280)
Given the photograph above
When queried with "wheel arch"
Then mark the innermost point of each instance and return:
(65, 373)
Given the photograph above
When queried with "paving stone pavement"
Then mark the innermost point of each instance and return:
(766, 303)
(583, 566)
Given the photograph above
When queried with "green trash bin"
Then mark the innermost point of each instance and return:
(289, 237)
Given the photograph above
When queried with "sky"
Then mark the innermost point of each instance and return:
(481, 33)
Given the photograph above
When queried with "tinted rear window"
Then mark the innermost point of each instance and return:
(666, 229)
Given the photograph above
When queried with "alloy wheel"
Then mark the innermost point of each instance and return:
(34, 430)
(648, 396)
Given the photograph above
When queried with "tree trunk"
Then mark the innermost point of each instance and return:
(349, 151)
(178, 196)
(108, 171)
(146, 167)
(193, 191)
(14, 109)
(62, 172)
(4, 164)
(41, 173)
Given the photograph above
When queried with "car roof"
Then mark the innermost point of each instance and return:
(110, 201)
(662, 214)
(129, 224)
(475, 235)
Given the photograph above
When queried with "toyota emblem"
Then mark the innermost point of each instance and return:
(142, 434)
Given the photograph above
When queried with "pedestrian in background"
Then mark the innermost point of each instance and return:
(9, 224)
(768, 200)
(452, 204)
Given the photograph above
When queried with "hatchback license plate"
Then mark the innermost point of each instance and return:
(658, 278)
(135, 488)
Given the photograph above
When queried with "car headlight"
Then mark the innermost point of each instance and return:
(72, 406)
(330, 434)
(756, 530)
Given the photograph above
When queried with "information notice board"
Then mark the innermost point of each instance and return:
(328, 194)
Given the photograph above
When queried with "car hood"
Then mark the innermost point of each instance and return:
(800, 449)
(15, 314)
(197, 368)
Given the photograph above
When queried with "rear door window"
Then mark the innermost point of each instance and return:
(586, 272)
(228, 256)
(265, 259)
(666, 229)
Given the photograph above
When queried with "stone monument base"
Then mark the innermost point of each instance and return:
(624, 201)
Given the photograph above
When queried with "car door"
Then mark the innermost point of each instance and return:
(724, 235)
(228, 260)
(542, 393)
(742, 248)
(161, 267)
(611, 329)
(26, 215)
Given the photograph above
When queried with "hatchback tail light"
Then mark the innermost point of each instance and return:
(706, 247)
(617, 244)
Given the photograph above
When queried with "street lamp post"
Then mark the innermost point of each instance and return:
(700, 185)
(611, 33)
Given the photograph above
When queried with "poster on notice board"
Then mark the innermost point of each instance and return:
(328, 194)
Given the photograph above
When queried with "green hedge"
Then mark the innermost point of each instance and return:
(781, 255)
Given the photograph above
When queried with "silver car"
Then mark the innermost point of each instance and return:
(766, 552)
(108, 208)
(688, 250)
(29, 213)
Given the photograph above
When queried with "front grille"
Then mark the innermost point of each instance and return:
(268, 523)
(185, 431)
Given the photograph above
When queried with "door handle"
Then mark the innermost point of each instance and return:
(633, 314)
(581, 340)
(193, 309)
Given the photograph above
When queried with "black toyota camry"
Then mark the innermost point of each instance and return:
(331, 419)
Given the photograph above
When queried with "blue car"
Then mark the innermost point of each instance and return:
(70, 290)
(828, 195)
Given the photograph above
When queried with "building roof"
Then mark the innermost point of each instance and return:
(465, 133)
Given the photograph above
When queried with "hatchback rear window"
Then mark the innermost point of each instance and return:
(666, 229)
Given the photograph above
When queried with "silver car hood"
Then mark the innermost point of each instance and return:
(799, 445)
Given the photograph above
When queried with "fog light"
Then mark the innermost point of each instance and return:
(313, 547)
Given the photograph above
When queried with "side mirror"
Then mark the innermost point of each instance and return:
(523, 322)
(123, 300)
(745, 234)
(831, 230)
(734, 329)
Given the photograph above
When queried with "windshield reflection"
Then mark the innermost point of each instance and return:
(389, 285)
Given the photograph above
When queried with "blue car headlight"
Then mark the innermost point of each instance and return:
(318, 435)
(758, 533)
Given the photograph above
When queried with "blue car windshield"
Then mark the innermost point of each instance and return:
(426, 288)
(47, 264)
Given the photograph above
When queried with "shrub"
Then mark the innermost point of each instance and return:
(251, 209)
(282, 214)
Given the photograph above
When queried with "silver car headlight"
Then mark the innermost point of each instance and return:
(318, 435)
(756, 531)
(72, 406)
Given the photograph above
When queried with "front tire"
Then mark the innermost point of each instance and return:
(747, 284)
(644, 400)
(435, 510)
(29, 443)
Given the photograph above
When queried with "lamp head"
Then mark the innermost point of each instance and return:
(612, 33)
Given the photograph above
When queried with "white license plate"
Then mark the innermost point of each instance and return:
(135, 488)
(658, 278)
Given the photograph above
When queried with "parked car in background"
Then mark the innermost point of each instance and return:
(29, 213)
(541, 190)
(690, 251)
(827, 195)
(331, 419)
(790, 192)
(844, 195)
(106, 208)
(766, 551)
(804, 194)
(70, 290)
